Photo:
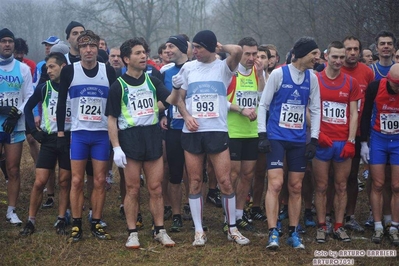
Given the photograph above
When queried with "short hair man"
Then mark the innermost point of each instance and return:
(246, 85)
(367, 56)
(136, 138)
(115, 59)
(163, 55)
(204, 84)
(274, 57)
(47, 95)
(73, 30)
(103, 45)
(16, 92)
(339, 94)
(381, 108)
(364, 76)
(289, 91)
(385, 45)
(87, 82)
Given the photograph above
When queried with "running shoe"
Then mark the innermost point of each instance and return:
(377, 236)
(48, 204)
(309, 221)
(246, 216)
(394, 237)
(321, 235)
(110, 178)
(186, 213)
(100, 233)
(353, 225)
(244, 225)
(76, 234)
(133, 241)
(279, 228)
(235, 235)
(177, 224)
(13, 219)
(167, 212)
(28, 229)
(283, 214)
(214, 198)
(60, 228)
(225, 228)
(273, 242)
(163, 238)
(295, 241)
(89, 218)
(199, 239)
(300, 229)
(387, 226)
(341, 235)
(365, 174)
(257, 215)
(329, 225)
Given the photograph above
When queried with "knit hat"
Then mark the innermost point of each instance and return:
(51, 40)
(6, 33)
(206, 39)
(303, 46)
(180, 43)
(72, 25)
(60, 47)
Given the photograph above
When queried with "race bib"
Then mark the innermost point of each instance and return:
(334, 113)
(9, 98)
(205, 105)
(246, 99)
(292, 116)
(52, 113)
(90, 109)
(389, 123)
(176, 114)
(141, 103)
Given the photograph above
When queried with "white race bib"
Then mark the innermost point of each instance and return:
(389, 123)
(292, 116)
(176, 114)
(334, 113)
(246, 99)
(90, 109)
(141, 103)
(9, 98)
(205, 105)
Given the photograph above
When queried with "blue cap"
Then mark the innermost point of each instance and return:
(51, 40)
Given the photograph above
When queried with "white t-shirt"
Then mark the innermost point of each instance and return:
(206, 85)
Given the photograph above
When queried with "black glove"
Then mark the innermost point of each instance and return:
(264, 144)
(9, 124)
(311, 148)
(10, 111)
(40, 136)
(63, 144)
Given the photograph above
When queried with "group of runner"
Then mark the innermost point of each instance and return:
(313, 126)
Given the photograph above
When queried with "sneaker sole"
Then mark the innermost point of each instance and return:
(175, 229)
(272, 247)
(132, 247)
(13, 224)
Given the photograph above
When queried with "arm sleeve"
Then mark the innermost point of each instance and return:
(32, 104)
(272, 86)
(113, 107)
(65, 82)
(162, 91)
(371, 93)
(314, 107)
(111, 75)
(27, 88)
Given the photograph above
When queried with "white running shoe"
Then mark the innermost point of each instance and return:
(236, 236)
(163, 238)
(199, 239)
(13, 219)
(133, 241)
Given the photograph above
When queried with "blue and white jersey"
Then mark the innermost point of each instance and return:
(88, 99)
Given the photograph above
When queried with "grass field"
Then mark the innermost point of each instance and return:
(44, 247)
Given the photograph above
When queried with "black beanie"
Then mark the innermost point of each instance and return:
(206, 39)
(180, 43)
(6, 33)
(303, 46)
(72, 25)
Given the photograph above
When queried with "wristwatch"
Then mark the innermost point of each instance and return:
(352, 141)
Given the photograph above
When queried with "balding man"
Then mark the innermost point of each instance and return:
(381, 107)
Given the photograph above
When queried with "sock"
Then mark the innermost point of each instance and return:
(121, 206)
(291, 229)
(378, 226)
(77, 222)
(337, 225)
(271, 230)
(50, 195)
(308, 212)
(323, 225)
(196, 203)
(61, 218)
(129, 231)
(394, 226)
(347, 218)
(229, 206)
(239, 214)
(10, 209)
(157, 228)
(176, 216)
(387, 219)
(32, 219)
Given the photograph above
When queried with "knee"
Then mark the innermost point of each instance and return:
(155, 189)
(321, 187)
(377, 186)
(225, 184)
(395, 187)
(39, 184)
(77, 183)
(274, 186)
(295, 189)
(340, 188)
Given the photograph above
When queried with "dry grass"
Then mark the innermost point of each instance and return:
(44, 247)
